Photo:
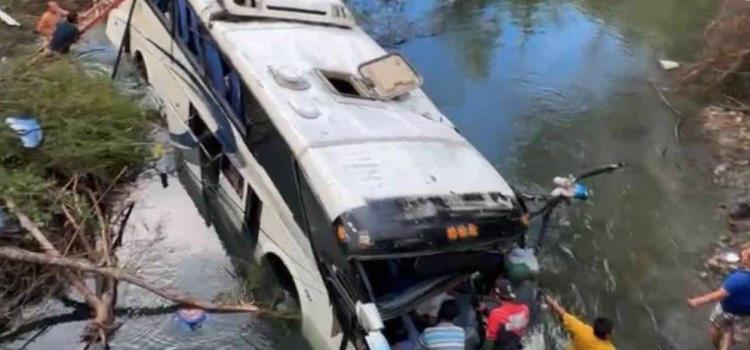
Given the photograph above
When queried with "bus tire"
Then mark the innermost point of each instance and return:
(282, 274)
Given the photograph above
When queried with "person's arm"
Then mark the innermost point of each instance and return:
(420, 345)
(717, 295)
(571, 323)
(555, 306)
(493, 326)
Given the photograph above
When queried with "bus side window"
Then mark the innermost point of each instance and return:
(195, 37)
(164, 6)
(189, 30)
(234, 94)
(233, 175)
(319, 228)
(254, 114)
(181, 17)
(215, 67)
(253, 207)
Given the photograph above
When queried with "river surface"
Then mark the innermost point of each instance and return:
(541, 88)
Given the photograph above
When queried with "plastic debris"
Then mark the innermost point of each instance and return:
(28, 130)
(8, 19)
(568, 188)
(731, 257)
(581, 192)
(8, 223)
(669, 65)
(522, 264)
(192, 317)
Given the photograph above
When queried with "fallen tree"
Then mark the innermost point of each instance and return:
(66, 194)
(17, 254)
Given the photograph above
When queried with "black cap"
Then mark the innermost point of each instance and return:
(504, 289)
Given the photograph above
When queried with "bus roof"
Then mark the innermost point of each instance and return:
(352, 149)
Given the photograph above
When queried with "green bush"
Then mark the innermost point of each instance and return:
(89, 128)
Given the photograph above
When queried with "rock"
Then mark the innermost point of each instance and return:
(740, 212)
(721, 168)
(669, 65)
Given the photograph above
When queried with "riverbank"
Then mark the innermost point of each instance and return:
(727, 132)
(719, 77)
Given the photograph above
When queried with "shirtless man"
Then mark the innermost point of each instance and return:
(49, 20)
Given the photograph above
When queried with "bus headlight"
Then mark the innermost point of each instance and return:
(462, 231)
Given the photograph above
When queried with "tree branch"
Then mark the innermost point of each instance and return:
(17, 254)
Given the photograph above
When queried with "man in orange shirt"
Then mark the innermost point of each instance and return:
(583, 336)
(49, 20)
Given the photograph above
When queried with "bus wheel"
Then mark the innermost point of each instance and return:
(283, 277)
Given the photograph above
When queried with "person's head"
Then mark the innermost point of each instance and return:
(448, 311)
(745, 256)
(53, 6)
(73, 17)
(602, 328)
(503, 290)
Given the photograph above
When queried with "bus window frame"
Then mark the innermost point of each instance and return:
(243, 124)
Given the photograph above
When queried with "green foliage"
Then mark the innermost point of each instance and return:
(90, 130)
(28, 190)
(89, 127)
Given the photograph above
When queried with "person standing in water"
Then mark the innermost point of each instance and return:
(66, 33)
(445, 335)
(732, 303)
(49, 20)
(508, 321)
(583, 336)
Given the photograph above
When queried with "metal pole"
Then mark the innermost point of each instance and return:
(125, 35)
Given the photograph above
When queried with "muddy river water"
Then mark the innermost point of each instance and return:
(541, 88)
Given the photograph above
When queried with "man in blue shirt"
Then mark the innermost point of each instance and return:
(66, 33)
(733, 302)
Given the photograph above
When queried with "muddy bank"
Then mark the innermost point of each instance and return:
(727, 132)
(719, 74)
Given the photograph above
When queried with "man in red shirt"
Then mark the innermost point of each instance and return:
(508, 321)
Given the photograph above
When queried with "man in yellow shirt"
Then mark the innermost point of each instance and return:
(583, 336)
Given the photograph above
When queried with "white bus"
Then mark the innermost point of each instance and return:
(362, 197)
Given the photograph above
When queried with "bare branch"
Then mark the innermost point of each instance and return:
(18, 254)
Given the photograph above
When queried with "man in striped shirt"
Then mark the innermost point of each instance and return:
(445, 335)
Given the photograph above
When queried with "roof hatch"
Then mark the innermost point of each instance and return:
(389, 76)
